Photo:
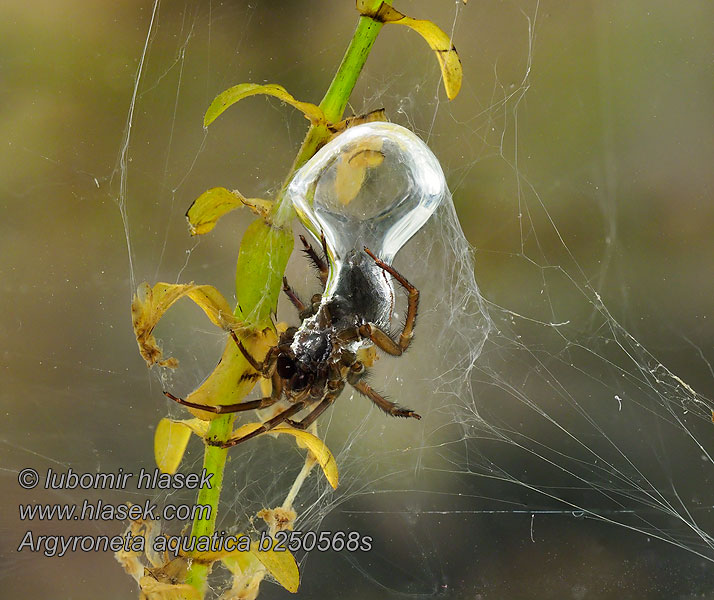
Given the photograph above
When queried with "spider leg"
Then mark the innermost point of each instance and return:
(391, 408)
(290, 293)
(267, 426)
(221, 409)
(323, 242)
(309, 419)
(304, 310)
(381, 339)
(265, 368)
(225, 408)
(317, 260)
(405, 337)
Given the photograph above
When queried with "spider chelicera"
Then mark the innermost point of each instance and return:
(311, 364)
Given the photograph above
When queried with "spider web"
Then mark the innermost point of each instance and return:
(558, 452)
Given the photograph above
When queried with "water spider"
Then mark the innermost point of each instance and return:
(311, 364)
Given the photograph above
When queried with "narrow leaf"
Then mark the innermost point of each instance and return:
(264, 253)
(305, 439)
(318, 449)
(170, 441)
(210, 206)
(246, 429)
(150, 304)
(244, 90)
(233, 377)
(280, 564)
(352, 168)
(239, 562)
(439, 41)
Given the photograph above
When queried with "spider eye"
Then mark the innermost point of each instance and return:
(300, 381)
(286, 366)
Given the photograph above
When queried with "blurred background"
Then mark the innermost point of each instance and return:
(579, 156)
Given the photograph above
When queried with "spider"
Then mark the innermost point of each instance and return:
(311, 365)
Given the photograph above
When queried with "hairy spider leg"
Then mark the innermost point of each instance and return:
(379, 337)
(309, 419)
(240, 406)
(323, 243)
(290, 293)
(266, 426)
(304, 311)
(320, 264)
(389, 407)
(266, 367)
(318, 261)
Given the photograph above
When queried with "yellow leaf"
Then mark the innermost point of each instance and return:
(439, 41)
(210, 206)
(233, 377)
(170, 441)
(244, 90)
(150, 304)
(266, 385)
(158, 590)
(352, 168)
(197, 426)
(246, 429)
(280, 564)
(240, 563)
(318, 448)
(313, 443)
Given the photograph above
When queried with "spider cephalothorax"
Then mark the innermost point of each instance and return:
(311, 364)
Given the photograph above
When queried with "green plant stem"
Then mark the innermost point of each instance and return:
(214, 462)
(333, 106)
(337, 95)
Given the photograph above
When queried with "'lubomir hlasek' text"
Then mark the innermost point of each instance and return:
(146, 480)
